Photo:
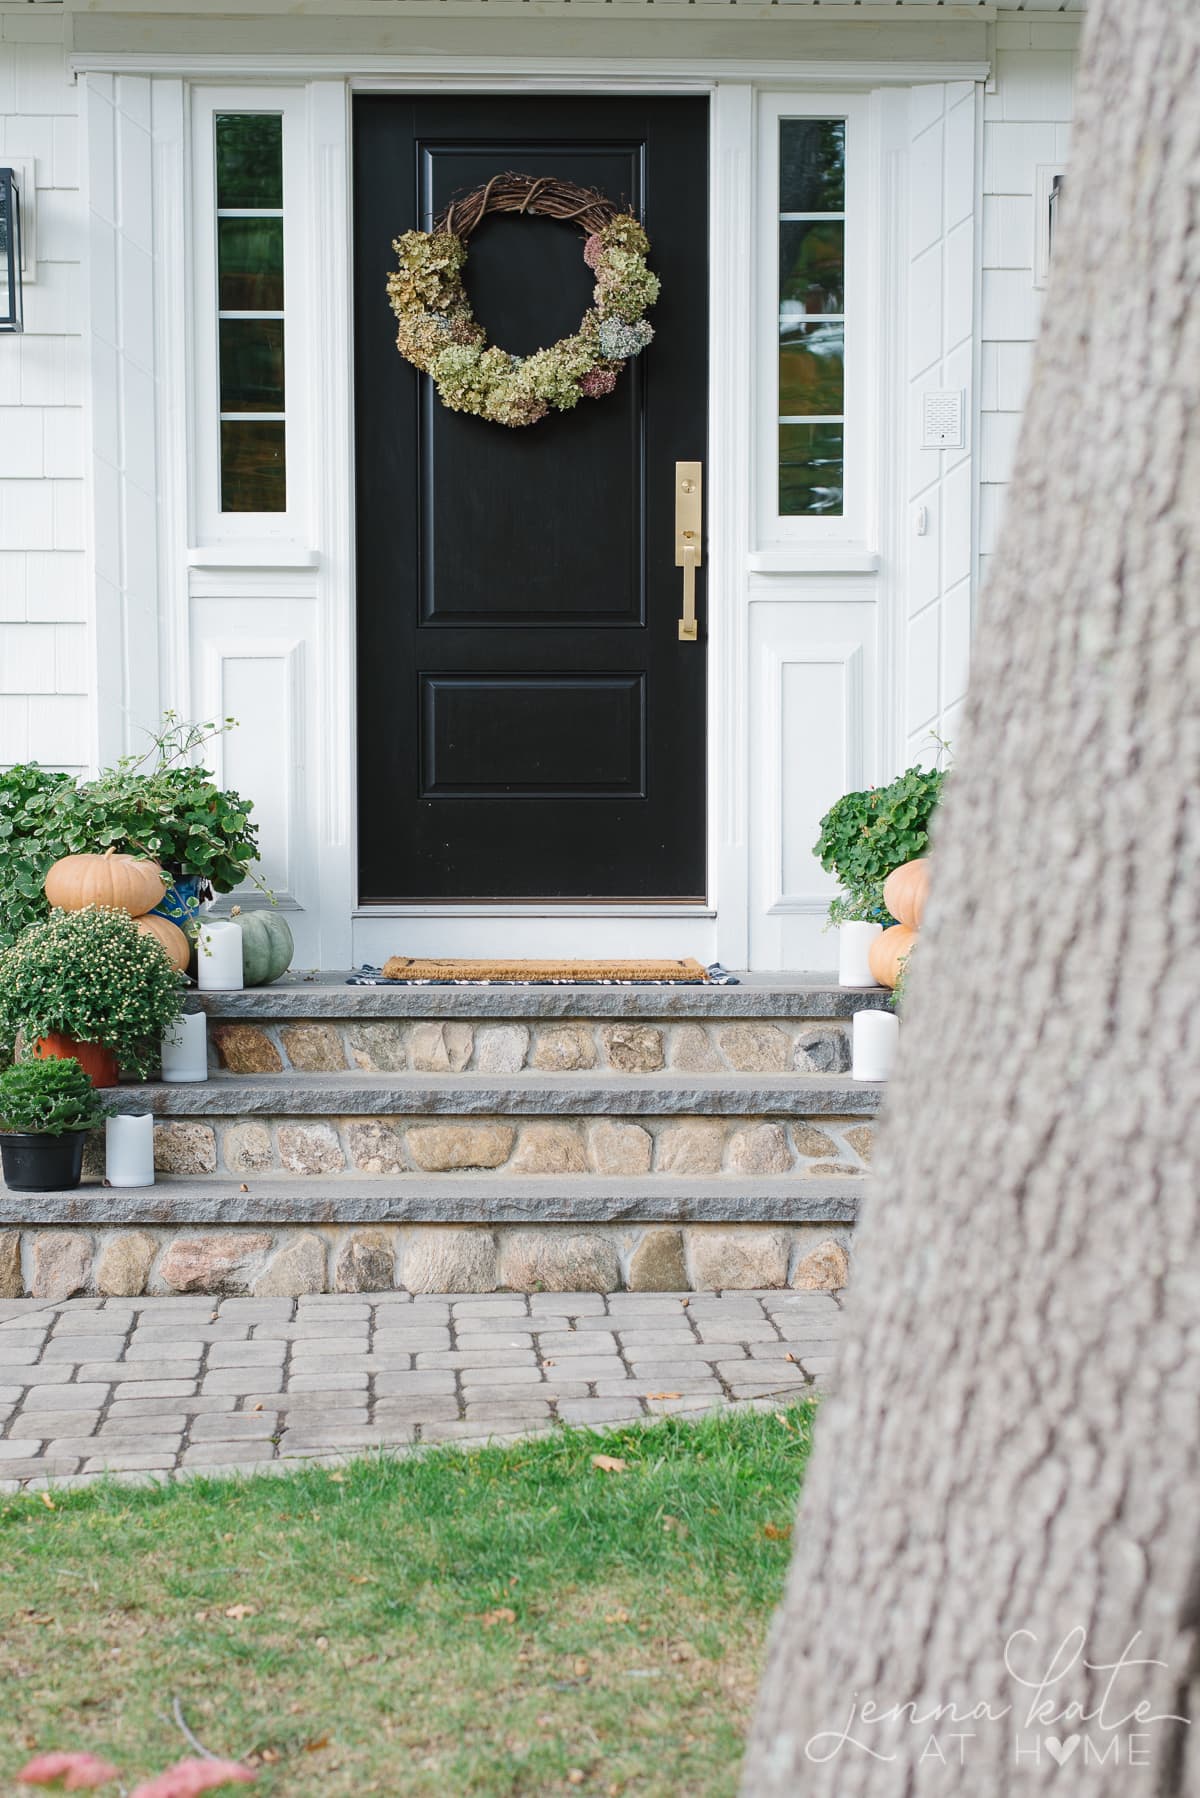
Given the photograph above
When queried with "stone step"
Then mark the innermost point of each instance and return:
(276, 1237)
(325, 995)
(474, 1095)
(420, 1199)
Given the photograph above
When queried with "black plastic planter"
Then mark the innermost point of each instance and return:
(37, 1163)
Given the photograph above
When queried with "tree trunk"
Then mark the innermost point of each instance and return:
(1015, 1439)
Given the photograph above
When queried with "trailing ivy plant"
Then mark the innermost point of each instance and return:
(867, 834)
(91, 975)
(162, 804)
(49, 1098)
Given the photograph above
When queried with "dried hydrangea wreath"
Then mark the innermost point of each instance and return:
(440, 334)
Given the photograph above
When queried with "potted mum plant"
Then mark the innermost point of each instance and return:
(46, 1110)
(89, 984)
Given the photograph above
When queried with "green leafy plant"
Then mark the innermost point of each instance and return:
(163, 804)
(867, 834)
(49, 1098)
(94, 976)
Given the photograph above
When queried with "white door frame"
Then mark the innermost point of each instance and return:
(151, 576)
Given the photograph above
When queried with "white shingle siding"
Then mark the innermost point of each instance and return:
(44, 652)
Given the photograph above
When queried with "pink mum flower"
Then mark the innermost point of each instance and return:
(598, 381)
(76, 1771)
(189, 1778)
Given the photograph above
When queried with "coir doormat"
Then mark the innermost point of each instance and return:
(410, 970)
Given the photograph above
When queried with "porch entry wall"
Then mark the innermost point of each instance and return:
(835, 647)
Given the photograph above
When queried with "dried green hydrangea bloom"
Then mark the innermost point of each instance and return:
(439, 334)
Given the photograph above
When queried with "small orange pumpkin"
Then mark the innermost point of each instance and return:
(118, 882)
(169, 938)
(888, 951)
(906, 892)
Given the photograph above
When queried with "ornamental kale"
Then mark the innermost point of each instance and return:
(49, 1098)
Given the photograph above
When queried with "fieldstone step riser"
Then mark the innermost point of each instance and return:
(514, 1047)
(503, 1146)
(292, 1261)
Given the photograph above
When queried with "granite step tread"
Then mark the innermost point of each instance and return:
(462, 1095)
(326, 995)
(443, 1199)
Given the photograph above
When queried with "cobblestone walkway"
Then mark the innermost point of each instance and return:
(150, 1386)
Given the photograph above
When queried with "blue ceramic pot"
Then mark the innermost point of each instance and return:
(180, 902)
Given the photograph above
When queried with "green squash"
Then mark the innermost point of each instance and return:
(267, 946)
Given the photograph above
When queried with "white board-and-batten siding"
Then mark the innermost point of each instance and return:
(96, 632)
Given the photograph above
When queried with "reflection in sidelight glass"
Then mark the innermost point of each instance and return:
(812, 259)
(250, 315)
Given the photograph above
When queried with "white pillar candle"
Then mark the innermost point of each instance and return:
(185, 1049)
(854, 946)
(876, 1039)
(129, 1149)
(219, 957)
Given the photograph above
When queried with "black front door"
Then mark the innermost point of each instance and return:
(530, 725)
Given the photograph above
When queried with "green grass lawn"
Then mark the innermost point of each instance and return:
(510, 1621)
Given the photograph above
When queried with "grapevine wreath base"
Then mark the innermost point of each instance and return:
(440, 334)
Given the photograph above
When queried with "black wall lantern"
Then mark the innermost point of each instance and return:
(12, 317)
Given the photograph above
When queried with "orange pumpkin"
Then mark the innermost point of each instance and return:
(169, 938)
(888, 951)
(119, 882)
(906, 892)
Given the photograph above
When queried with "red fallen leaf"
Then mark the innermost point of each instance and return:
(777, 1532)
(187, 1779)
(77, 1771)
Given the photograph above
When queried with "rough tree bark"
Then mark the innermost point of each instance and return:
(1015, 1441)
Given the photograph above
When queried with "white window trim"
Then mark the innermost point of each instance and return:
(210, 526)
(852, 527)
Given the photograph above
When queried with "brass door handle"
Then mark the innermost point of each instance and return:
(688, 539)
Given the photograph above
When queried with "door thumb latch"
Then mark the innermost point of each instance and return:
(688, 538)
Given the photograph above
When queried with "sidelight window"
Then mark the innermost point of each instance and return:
(812, 317)
(250, 311)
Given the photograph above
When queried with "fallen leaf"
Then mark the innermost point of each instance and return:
(617, 1617)
(244, 1187)
(360, 1579)
(609, 1463)
(777, 1532)
(789, 1357)
(258, 1406)
(322, 1642)
(239, 1612)
(501, 1614)
(576, 1776)
(48, 1502)
(337, 1479)
(582, 1668)
(317, 1743)
(664, 1395)
(549, 1364)
(685, 1303)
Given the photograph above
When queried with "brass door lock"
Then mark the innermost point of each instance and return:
(688, 539)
